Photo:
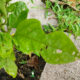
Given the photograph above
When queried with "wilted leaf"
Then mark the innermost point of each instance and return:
(33, 62)
(71, 2)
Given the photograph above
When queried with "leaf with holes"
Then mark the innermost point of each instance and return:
(60, 49)
(55, 47)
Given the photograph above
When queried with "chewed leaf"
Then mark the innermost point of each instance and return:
(55, 48)
(60, 49)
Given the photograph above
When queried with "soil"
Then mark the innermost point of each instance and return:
(29, 68)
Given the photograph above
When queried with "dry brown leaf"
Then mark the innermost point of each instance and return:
(33, 62)
(71, 3)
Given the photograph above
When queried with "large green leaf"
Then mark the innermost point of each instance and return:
(28, 34)
(55, 47)
(3, 8)
(18, 12)
(60, 49)
(6, 46)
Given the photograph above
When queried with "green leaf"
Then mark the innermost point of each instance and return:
(7, 57)
(60, 49)
(55, 47)
(19, 12)
(6, 46)
(29, 36)
(10, 67)
(3, 8)
(8, 1)
(3, 60)
(32, 1)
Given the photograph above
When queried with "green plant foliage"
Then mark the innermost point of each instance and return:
(3, 8)
(23, 62)
(68, 19)
(55, 47)
(48, 5)
(60, 49)
(32, 1)
(7, 56)
(8, 1)
(49, 28)
(29, 36)
(18, 12)
(6, 46)
(10, 67)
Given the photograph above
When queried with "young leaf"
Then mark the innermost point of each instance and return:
(60, 49)
(19, 12)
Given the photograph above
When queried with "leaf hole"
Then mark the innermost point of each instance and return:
(47, 47)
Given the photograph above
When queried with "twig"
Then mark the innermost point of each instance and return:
(63, 3)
